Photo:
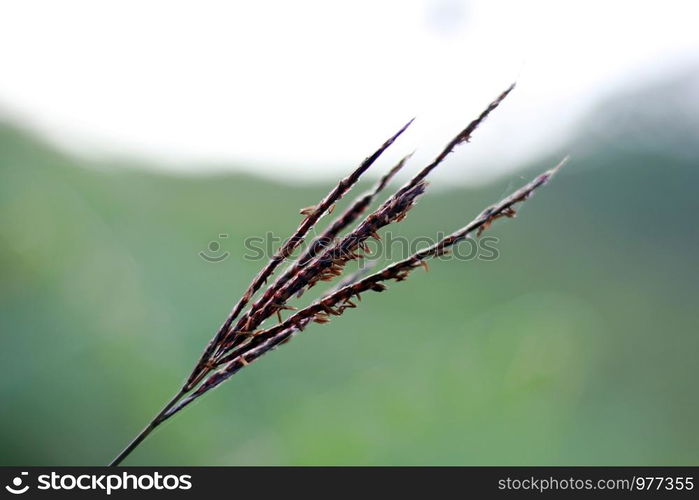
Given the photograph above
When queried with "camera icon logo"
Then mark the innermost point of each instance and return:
(16, 487)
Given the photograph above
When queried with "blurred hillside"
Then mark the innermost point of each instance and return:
(577, 346)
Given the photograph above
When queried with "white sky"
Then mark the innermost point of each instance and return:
(302, 87)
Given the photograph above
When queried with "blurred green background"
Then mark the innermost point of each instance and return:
(577, 346)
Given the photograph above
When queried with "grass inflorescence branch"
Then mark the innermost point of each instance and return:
(238, 343)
